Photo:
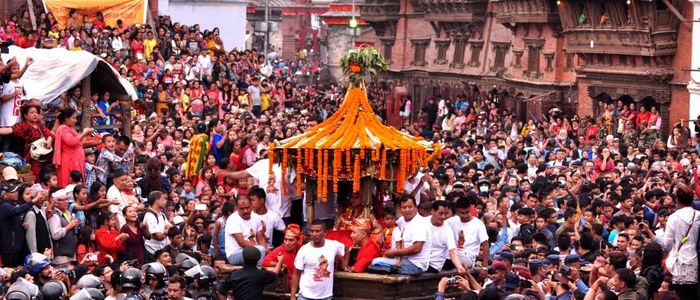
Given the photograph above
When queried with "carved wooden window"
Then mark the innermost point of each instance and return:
(441, 46)
(458, 57)
(534, 51)
(476, 52)
(549, 57)
(500, 51)
(419, 47)
(533, 60)
(518, 59)
(569, 62)
(388, 46)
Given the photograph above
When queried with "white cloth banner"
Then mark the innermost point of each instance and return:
(55, 71)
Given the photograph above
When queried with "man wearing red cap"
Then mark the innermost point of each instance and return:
(369, 250)
(292, 242)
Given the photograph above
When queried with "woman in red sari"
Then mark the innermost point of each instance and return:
(30, 129)
(109, 241)
(68, 154)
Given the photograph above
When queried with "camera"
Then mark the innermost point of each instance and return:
(452, 280)
(565, 270)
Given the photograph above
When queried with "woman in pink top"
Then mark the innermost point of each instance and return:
(68, 152)
(654, 118)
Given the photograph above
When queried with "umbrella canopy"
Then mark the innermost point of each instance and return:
(335, 149)
(354, 126)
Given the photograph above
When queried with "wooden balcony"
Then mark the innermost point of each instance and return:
(525, 11)
(380, 10)
(613, 27)
(622, 41)
(452, 10)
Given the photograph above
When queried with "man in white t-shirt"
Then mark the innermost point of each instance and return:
(443, 246)
(243, 229)
(469, 232)
(156, 223)
(260, 172)
(271, 219)
(418, 185)
(414, 256)
(314, 265)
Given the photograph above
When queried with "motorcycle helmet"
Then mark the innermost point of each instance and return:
(90, 281)
(208, 276)
(53, 290)
(34, 263)
(23, 290)
(155, 270)
(131, 278)
(185, 262)
(88, 294)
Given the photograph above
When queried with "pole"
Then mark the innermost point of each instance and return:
(354, 29)
(267, 28)
(30, 7)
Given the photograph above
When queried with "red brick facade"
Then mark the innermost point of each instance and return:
(539, 53)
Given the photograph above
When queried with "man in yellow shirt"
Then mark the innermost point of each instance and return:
(149, 44)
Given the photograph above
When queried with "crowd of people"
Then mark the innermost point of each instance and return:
(559, 208)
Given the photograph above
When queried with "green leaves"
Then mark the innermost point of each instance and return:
(371, 62)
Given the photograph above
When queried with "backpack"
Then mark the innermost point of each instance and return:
(144, 227)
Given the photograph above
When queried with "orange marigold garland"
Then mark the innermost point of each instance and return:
(319, 185)
(356, 175)
(336, 157)
(271, 155)
(324, 173)
(283, 182)
(382, 165)
(401, 176)
(298, 177)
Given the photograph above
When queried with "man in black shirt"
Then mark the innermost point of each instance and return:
(14, 248)
(249, 282)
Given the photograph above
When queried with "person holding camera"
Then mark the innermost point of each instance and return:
(468, 284)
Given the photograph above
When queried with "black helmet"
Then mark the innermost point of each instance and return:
(208, 276)
(185, 262)
(131, 278)
(23, 290)
(155, 270)
(90, 281)
(88, 294)
(53, 290)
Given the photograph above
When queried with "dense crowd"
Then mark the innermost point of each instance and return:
(559, 208)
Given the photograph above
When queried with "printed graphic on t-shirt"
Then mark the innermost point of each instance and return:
(251, 237)
(460, 239)
(17, 101)
(321, 271)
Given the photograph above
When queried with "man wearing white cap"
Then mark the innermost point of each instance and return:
(62, 225)
(10, 174)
